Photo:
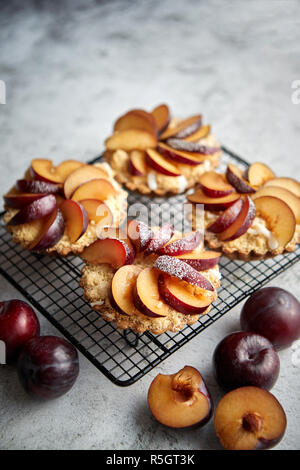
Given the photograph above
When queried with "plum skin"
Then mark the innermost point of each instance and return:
(245, 358)
(18, 324)
(274, 313)
(48, 366)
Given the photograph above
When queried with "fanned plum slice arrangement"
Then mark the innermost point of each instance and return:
(154, 285)
(238, 197)
(61, 200)
(155, 142)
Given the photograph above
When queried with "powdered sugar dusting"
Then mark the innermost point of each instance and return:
(184, 245)
(183, 271)
(160, 238)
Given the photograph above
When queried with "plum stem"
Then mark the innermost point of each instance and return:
(252, 422)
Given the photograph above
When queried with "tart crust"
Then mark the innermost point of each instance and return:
(24, 234)
(165, 185)
(96, 282)
(249, 247)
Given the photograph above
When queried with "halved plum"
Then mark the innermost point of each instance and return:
(215, 185)
(227, 217)
(159, 163)
(131, 139)
(183, 271)
(110, 251)
(80, 176)
(76, 219)
(122, 287)
(182, 296)
(147, 298)
(35, 210)
(51, 232)
(100, 189)
(180, 400)
(183, 245)
(201, 260)
(241, 223)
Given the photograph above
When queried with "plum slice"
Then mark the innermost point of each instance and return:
(159, 163)
(17, 201)
(249, 418)
(258, 174)
(235, 177)
(95, 189)
(181, 246)
(193, 147)
(160, 238)
(136, 119)
(97, 211)
(43, 169)
(181, 157)
(227, 217)
(201, 260)
(137, 165)
(183, 271)
(35, 210)
(215, 185)
(279, 217)
(241, 224)
(76, 219)
(281, 193)
(288, 183)
(182, 296)
(80, 176)
(139, 233)
(131, 139)
(51, 232)
(180, 400)
(122, 287)
(110, 251)
(213, 203)
(147, 298)
(37, 187)
(161, 114)
(200, 133)
(184, 124)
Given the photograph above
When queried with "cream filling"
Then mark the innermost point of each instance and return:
(182, 183)
(151, 180)
(259, 228)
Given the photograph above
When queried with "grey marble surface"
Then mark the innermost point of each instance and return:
(70, 69)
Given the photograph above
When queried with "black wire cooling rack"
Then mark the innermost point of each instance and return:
(51, 285)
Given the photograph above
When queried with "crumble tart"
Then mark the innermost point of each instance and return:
(248, 215)
(153, 153)
(59, 210)
(143, 284)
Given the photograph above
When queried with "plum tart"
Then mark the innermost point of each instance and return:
(155, 154)
(249, 215)
(154, 279)
(60, 209)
